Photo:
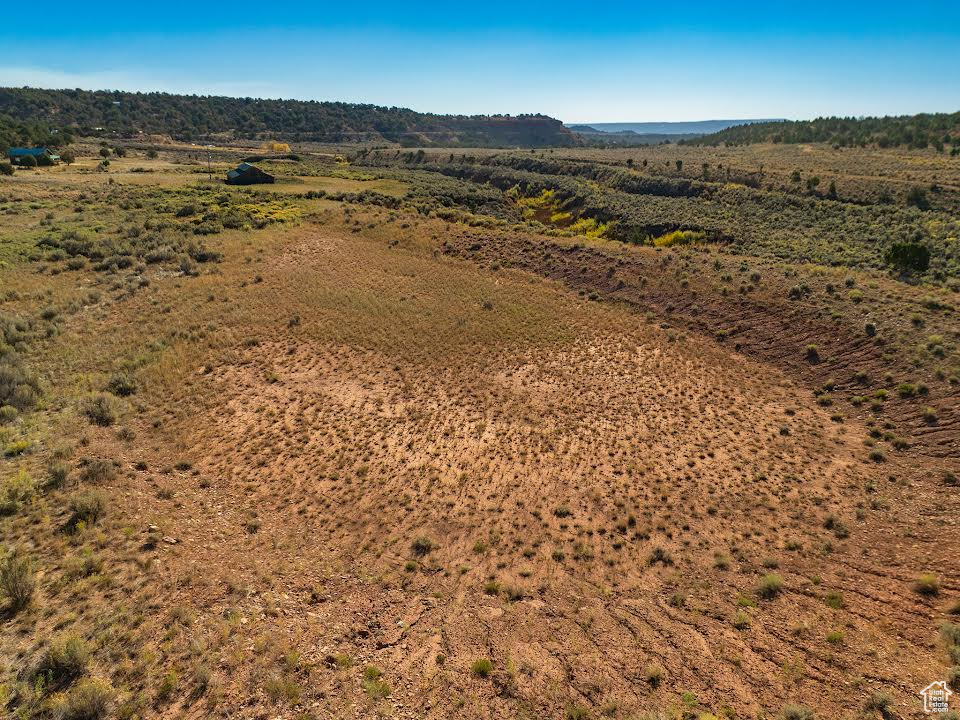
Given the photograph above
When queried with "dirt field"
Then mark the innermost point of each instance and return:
(372, 463)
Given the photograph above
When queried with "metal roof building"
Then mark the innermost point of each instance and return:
(17, 154)
(247, 174)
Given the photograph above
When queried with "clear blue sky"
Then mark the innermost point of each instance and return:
(578, 61)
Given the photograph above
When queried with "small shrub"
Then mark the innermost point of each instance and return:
(878, 701)
(906, 390)
(834, 600)
(798, 291)
(582, 551)
(917, 197)
(167, 686)
(374, 686)
(796, 712)
(87, 507)
(515, 593)
(88, 700)
(678, 237)
(17, 580)
(202, 676)
(99, 409)
(653, 674)
(57, 475)
(122, 385)
(659, 555)
(16, 448)
(950, 632)
(770, 586)
(927, 584)
(953, 677)
(65, 660)
(97, 471)
(482, 668)
(422, 546)
(84, 565)
(16, 491)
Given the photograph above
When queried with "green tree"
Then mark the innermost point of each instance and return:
(917, 197)
(908, 257)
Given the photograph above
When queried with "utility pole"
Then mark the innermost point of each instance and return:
(209, 169)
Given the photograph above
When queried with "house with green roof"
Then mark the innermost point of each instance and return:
(41, 156)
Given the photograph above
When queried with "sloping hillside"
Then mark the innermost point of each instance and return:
(192, 117)
(939, 130)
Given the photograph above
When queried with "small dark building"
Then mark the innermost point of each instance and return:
(40, 154)
(247, 174)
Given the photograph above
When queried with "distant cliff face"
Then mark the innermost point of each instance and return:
(194, 117)
(520, 131)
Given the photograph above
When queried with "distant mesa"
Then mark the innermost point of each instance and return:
(696, 127)
(652, 133)
(701, 127)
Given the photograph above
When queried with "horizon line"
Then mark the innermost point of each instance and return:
(566, 123)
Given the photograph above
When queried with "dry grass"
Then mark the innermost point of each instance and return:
(447, 487)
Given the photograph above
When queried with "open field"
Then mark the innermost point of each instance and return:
(646, 433)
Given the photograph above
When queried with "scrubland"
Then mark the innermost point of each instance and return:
(645, 433)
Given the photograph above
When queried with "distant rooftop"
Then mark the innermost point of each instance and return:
(24, 152)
